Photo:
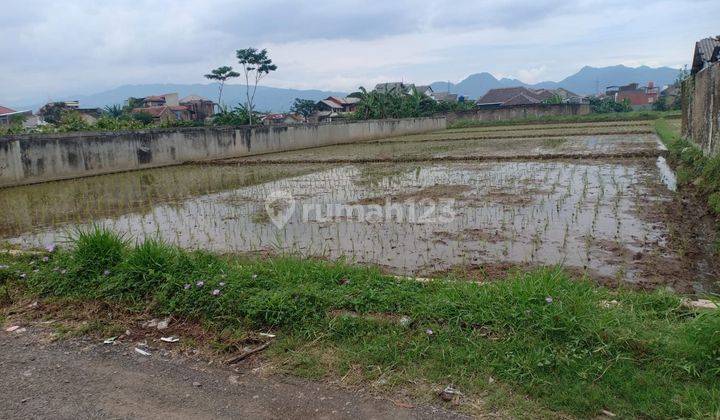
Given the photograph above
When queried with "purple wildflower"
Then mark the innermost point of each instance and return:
(46, 259)
(216, 292)
(200, 283)
(187, 286)
(106, 273)
(50, 248)
(549, 299)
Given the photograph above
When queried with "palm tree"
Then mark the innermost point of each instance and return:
(114, 111)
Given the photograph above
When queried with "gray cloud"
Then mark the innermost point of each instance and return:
(52, 48)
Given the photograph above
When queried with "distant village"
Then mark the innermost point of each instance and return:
(168, 108)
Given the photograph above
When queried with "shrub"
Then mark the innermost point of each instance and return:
(108, 123)
(143, 118)
(236, 116)
(606, 105)
(71, 121)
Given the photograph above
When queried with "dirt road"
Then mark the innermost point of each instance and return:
(80, 378)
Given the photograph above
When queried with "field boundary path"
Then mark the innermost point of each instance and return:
(80, 378)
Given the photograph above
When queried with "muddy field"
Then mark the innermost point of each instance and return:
(615, 218)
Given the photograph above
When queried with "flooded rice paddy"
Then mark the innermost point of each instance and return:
(610, 218)
(470, 149)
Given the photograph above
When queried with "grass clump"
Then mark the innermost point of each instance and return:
(145, 268)
(96, 250)
(571, 346)
(594, 117)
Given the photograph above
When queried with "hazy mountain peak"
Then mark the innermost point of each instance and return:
(588, 80)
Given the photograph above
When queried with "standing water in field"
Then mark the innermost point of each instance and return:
(598, 218)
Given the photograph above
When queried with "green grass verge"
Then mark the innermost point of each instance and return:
(607, 117)
(539, 333)
(691, 165)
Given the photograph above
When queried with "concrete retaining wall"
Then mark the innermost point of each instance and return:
(36, 158)
(516, 112)
(701, 109)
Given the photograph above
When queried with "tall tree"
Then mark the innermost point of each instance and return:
(222, 74)
(256, 64)
(304, 107)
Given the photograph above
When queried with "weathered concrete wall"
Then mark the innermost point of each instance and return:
(38, 158)
(516, 112)
(701, 109)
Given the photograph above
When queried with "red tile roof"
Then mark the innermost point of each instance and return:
(4, 110)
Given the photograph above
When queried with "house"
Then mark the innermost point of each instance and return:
(519, 95)
(544, 94)
(424, 90)
(51, 111)
(200, 108)
(334, 107)
(281, 119)
(7, 115)
(707, 51)
(569, 96)
(701, 96)
(326, 111)
(165, 113)
(522, 99)
(167, 108)
(328, 107)
(347, 104)
(611, 91)
(169, 99)
(670, 95)
(638, 96)
(401, 88)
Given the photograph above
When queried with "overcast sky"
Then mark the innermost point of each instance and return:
(52, 48)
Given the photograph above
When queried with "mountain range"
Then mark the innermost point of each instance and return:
(266, 99)
(585, 82)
